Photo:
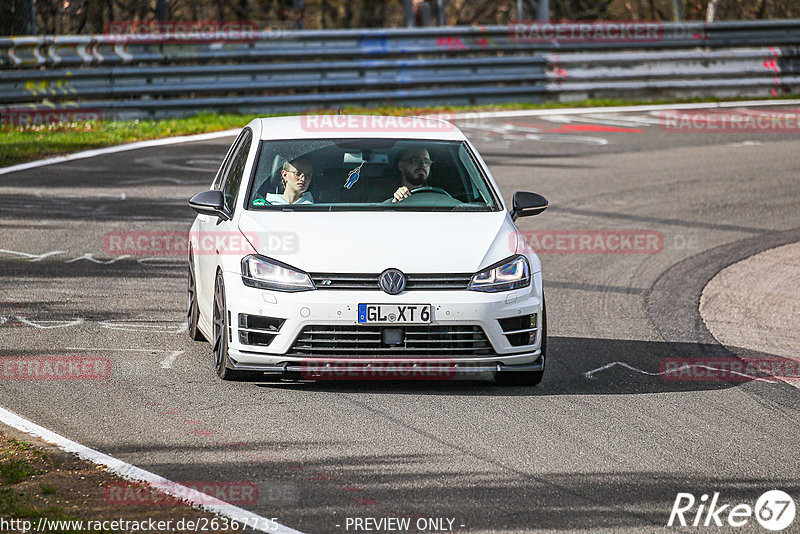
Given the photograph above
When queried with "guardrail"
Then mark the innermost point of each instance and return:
(139, 76)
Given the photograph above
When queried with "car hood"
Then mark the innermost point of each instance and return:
(369, 242)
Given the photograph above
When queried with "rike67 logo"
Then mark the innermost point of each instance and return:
(774, 510)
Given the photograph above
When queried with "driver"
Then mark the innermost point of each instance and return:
(415, 167)
(295, 178)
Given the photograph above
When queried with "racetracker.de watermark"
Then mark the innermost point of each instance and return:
(38, 117)
(239, 493)
(394, 370)
(55, 368)
(750, 121)
(438, 122)
(728, 369)
(592, 241)
(533, 31)
(167, 243)
(183, 31)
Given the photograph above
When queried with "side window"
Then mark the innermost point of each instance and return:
(235, 171)
(217, 184)
(477, 190)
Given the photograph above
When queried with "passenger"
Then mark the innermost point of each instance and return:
(415, 167)
(295, 177)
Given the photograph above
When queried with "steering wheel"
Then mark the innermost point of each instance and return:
(429, 189)
(424, 189)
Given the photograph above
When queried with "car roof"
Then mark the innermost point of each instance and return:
(358, 126)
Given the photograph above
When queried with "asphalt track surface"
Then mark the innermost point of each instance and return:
(594, 447)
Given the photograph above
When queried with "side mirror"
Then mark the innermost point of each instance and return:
(527, 204)
(210, 203)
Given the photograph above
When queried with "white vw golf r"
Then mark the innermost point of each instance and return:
(366, 247)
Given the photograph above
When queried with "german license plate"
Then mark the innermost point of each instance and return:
(394, 314)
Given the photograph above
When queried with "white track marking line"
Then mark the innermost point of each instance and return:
(199, 162)
(115, 349)
(137, 474)
(745, 143)
(34, 257)
(640, 120)
(151, 328)
(618, 109)
(591, 119)
(119, 148)
(522, 133)
(509, 127)
(170, 359)
(90, 257)
(606, 119)
(457, 116)
(166, 327)
(568, 138)
(164, 179)
(590, 374)
(40, 326)
(779, 113)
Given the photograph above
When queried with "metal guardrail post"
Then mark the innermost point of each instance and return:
(408, 11)
(29, 7)
(542, 10)
(677, 10)
(162, 10)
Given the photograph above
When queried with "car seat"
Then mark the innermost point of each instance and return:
(274, 182)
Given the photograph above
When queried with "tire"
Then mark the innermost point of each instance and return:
(527, 378)
(193, 312)
(221, 361)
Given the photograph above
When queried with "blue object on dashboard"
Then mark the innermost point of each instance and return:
(353, 176)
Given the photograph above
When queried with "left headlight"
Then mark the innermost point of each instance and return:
(511, 273)
(265, 273)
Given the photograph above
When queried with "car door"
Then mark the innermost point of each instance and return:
(212, 229)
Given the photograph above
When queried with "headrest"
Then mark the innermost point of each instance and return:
(275, 175)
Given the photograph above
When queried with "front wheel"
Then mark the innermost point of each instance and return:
(526, 378)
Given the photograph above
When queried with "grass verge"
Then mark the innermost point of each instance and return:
(19, 144)
(42, 483)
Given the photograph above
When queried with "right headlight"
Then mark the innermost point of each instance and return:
(265, 273)
(511, 273)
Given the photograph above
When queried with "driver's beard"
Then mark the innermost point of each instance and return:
(416, 180)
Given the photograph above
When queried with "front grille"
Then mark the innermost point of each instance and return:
(258, 330)
(414, 282)
(519, 330)
(365, 341)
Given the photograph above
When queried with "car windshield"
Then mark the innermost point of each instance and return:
(368, 174)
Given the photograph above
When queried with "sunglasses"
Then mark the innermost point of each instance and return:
(299, 174)
(416, 160)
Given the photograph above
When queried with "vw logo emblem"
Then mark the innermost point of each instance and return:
(392, 281)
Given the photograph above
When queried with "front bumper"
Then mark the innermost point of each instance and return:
(340, 307)
(371, 370)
